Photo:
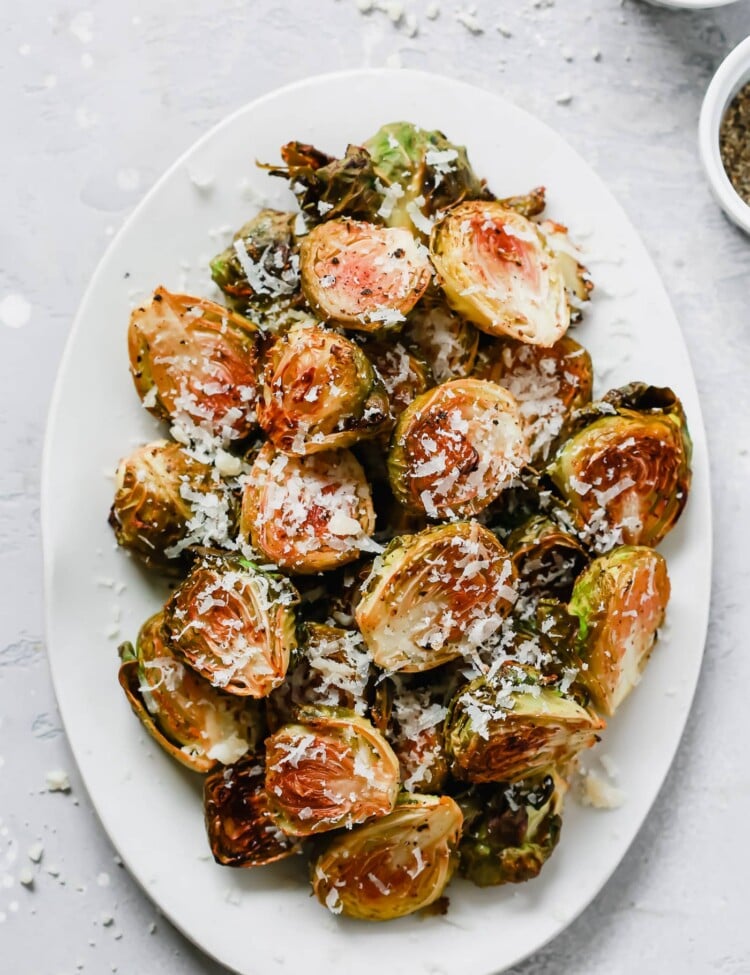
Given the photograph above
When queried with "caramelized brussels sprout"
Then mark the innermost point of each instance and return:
(513, 727)
(404, 372)
(261, 264)
(455, 448)
(332, 768)
(196, 363)
(548, 384)
(626, 473)
(320, 392)
(417, 739)
(234, 624)
(241, 830)
(578, 284)
(510, 830)
(448, 342)
(620, 601)
(423, 173)
(308, 514)
(364, 277)
(498, 271)
(328, 188)
(529, 204)
(435, 596)
(394, 866)
(152, 509)
(192, 721)
(547, 558)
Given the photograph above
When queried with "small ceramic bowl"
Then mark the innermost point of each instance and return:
(733, 73)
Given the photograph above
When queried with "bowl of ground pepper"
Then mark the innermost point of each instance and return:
(724, 135)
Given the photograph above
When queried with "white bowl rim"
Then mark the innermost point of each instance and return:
(731, 75)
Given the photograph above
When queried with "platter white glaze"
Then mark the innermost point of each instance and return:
(265, 920)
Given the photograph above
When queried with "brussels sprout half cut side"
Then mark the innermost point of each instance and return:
(547, 558)
(196, 363)
(620, 601)
(405, 374)
(417, 737)
(361, 276)
(513, 727)
(497, 270)
(456, 448)
(331, 768)
(241, 829)
(320, 392)
(193, 722)
(448, 342)
(234, 624)
(152, 507)
(435, 596)
(393, 866)
(308, 514)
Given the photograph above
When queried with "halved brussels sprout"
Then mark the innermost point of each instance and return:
(548, 384)
(626, 473)
(320, 392)
(578, 284)
(192, 721)
(620, 601)
(234, 624)
(328, 188)
(331, 768)
(241, 829)
(362, 276)
(497, 270)
(435, 596)
(196, 363)
(261, 264)
(404, 372)
(510, 830)
(308, 514)
(394, 866)
(423, 171)
(417, 738)
(333, 670)
(547, 558)
(514, 727)
(455, 449)
(447, 341)
(153, 506)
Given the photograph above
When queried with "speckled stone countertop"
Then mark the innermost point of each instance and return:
(97, 100)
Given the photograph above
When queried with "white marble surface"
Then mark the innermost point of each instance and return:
(96, 101)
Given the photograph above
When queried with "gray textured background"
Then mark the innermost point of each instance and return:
(96, 102)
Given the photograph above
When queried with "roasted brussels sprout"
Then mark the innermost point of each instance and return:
(331, 768)
(153, 507)
(497, 270)
(241, 830)
(417, 738)
(626, 473)
(308, 514)
(529, 204)
(328, 188)
(513, 727)
(448, 342)
(196, 363)
(578, 284)
(361, 276)
(320, 392)
(404, 372)
(548, 384)
(261, 264)
(455, 448)
(510, 830)
(435, 596)
(394, 866)
(547, 558)
(191, 720)
(234, 624)
(423, 173)
(620, 601)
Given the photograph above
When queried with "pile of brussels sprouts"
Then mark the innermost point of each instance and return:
(414, 565)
